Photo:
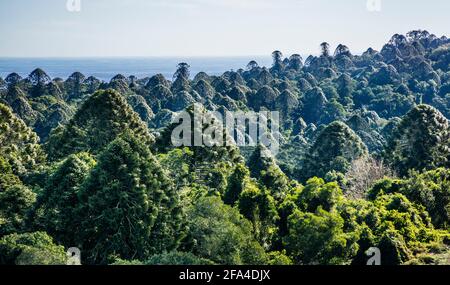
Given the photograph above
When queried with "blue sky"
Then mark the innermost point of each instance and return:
(45, 28)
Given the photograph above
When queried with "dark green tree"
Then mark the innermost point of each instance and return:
(420, 141)
(334, 149)
(15, 200)
(56, 207)
(102, 117)
(128, 206)
(38, 79)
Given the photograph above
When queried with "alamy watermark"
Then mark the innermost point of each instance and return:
(374, 255)
(73, 256)
(73, 5)
(208, 129)
(373, 5)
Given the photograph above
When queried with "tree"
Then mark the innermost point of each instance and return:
(177, 258)
(318, 238)
(318, 194)
(362, 175)
(182, 71)
(277, 65)
(15, 200)
(252, 65)
(342, 50)
(75, 85)
(325, 49)
(295, 62)
(31, 249)
(132, 202)
(92, 84)
(258, 206)
(265, 97)
(314, 102)
(286, 104)
(263, 166)
(334, 149)
(39, 79)
(19, 146)
(419, 141)
(55, 210)
(429, 189)
(236, 184)
(102, 117)
(13, 79)
(219, 233)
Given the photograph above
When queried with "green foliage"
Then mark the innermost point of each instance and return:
(318, 238)
(19, 146)
(56, 207)
(264, 167)
(317, 193)
(31, 249)
(102, 117)
(171, 258)
(279, 258)
(132, 202)
(122, 198)
(15, 201)
(236, 184)
(420, 141)
(258, 206)
(392, 223)
(335, 147)
(429, 189)
(219, 233)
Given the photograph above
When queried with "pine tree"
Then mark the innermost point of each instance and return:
(19, 145)
(55, 210)
(334, 149)
(102, 117)
(15, 200)
(420, 141)
(129, 208)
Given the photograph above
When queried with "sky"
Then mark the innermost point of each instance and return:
(146, 28)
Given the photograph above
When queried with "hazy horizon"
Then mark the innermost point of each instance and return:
(206, 28)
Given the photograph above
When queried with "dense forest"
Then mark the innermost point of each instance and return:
(364, 162)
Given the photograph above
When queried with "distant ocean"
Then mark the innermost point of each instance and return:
(106, 68)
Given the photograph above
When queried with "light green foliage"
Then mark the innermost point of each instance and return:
(18, 144)
(390, 222)
(430, 189)
(258, 206)
(219, 233)
(319, 238)
(178, 164)
(171, 258)
(279, 258)
(31, 249)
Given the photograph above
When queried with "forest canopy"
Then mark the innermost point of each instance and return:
(364, 162)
